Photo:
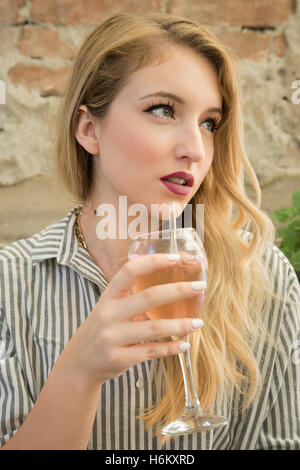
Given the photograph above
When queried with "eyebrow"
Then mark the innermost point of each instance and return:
(179, 100)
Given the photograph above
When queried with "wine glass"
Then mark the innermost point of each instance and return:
(192, 266)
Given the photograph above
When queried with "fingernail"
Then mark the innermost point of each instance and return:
(173, 257)
(199, 285)
(184, 346)
(197, 323)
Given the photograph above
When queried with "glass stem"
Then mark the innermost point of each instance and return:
(192, 403)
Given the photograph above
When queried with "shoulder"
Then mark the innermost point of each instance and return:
(284, 308)
(18, 250)
(23, 252)
(281, 272)
(19, 258)
(42, 245)
(279, 268)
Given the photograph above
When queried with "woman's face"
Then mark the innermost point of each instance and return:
(148, 135)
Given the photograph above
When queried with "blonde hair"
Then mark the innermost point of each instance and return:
(222, 353)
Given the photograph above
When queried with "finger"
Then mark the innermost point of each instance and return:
(148, 351)
(142, 316)
(126, 277)
(159, 295)
(148, 331)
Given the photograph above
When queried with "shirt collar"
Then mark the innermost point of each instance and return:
(59, 241)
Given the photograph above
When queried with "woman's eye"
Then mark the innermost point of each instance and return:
(211, 124)
(164, 111)
(167, 111)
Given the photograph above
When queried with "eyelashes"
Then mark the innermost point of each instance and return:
(168, 105)
(214, 122)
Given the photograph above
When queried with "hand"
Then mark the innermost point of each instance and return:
(111, 340)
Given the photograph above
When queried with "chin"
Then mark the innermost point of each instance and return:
(164, 209)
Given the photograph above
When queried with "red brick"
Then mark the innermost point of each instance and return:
(61, 12)
(9, 11)
(248, 44)
(280, 45)
(47, 81)
(252, 13)
(41, 42)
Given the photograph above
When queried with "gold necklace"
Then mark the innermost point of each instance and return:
(78, 231)
(80, 238)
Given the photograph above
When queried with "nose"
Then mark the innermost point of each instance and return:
(190, 144)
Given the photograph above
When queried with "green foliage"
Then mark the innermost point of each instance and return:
(288, 234)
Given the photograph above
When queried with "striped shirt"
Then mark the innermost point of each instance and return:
(48, 286)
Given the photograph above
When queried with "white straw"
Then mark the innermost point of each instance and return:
(172, 223)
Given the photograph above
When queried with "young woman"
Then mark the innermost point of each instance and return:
(149, 96)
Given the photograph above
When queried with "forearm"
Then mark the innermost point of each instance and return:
(62, 417)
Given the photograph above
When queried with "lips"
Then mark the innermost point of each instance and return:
(187, 177)
(183, 189)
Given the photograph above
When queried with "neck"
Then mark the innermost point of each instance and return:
(110, 253)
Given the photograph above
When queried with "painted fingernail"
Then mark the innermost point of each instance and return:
(173, 257)
(199, 285)
(184, 346)
(197, 323)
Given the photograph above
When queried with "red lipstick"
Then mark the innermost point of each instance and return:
(182, 185)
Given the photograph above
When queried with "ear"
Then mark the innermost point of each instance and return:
(85, 133)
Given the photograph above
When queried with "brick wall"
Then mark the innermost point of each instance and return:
(39, 39)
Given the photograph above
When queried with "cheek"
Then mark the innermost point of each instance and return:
(140, 149)
(206, 163)
(210, 158)
(130, 155)
(209, 147)
(209, 155)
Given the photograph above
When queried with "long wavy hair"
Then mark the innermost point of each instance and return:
(223, 353)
